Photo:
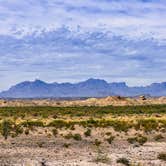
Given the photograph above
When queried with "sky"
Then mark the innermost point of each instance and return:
(71, 41)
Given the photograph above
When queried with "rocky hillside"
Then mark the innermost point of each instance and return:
(89, 88)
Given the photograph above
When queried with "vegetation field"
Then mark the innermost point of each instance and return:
(109, 133)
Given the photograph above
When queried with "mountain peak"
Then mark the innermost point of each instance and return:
(37, 81)
(118, 84)
(89, 88)
(93, 80)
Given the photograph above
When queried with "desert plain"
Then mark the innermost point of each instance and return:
(113, 131)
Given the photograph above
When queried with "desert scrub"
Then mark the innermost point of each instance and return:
(147, 124)
(54, 132)
(61, 124)
(6, 128)
(77, 137)
(91, 111)
(97, 142)
(110, 139)
(68, 136)
(118, 125)
(72, 127)
(162, 156)
(162, 123)
(66, 145)
(108, 133)
(158, 137)
(30, 123)
(40, 144)
(87, 133)
(140, 139)
(18, 129)
(123, 161)
(101, 157)
(26, 132)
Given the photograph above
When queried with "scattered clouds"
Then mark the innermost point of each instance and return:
(68, 40)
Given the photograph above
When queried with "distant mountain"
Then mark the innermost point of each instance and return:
(89, 88)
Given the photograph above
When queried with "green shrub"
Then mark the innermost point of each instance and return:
(18, 129)
(93, 111)
(140, 139)
(6, 128)
(87, 133)
(54, 132)
(132, 140)
(26, 131)
(66, 145)
(72, 127)
(40, 144)
(162, 156)
(147, 124)
(110, 139)
(158, 137)
(123, 161)
(68, 136)
(60, 124)
(77, 137)
(55, 116)
(101, 157)
(97, 142)
(108, 133)
(36, 123)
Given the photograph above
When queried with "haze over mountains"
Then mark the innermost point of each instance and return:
(89, 88)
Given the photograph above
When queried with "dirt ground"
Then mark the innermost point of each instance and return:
(110, 100)
(41, 148)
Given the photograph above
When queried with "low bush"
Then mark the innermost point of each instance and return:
(40, 144)
(158, 137)
(147, 124)
(140, 139)
(87, 133)
(110, 139)
(26, 131)
(97, 142)
(101, 158)
(18, 129)
(6, 128)
(68, 136)
(36, 123)
(60, 124)
(77, 137)
(66, 145)
(123, 161)
(162, 156)
(54, 132)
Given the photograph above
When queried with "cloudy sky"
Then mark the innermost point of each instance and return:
(55, 40)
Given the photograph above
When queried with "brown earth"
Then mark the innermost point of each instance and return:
(41, 148)
(110, 100)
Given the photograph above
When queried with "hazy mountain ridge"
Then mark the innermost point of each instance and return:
(89, 88)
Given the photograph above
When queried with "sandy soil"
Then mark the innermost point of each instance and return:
(111, 100)
(40, 148)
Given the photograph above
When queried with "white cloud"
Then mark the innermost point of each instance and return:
(73, 40)
(132, 18)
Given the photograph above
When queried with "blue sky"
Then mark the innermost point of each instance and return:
(55, 40)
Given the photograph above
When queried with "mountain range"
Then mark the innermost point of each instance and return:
(89, 88)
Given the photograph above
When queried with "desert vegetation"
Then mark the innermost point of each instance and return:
(106, 134)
